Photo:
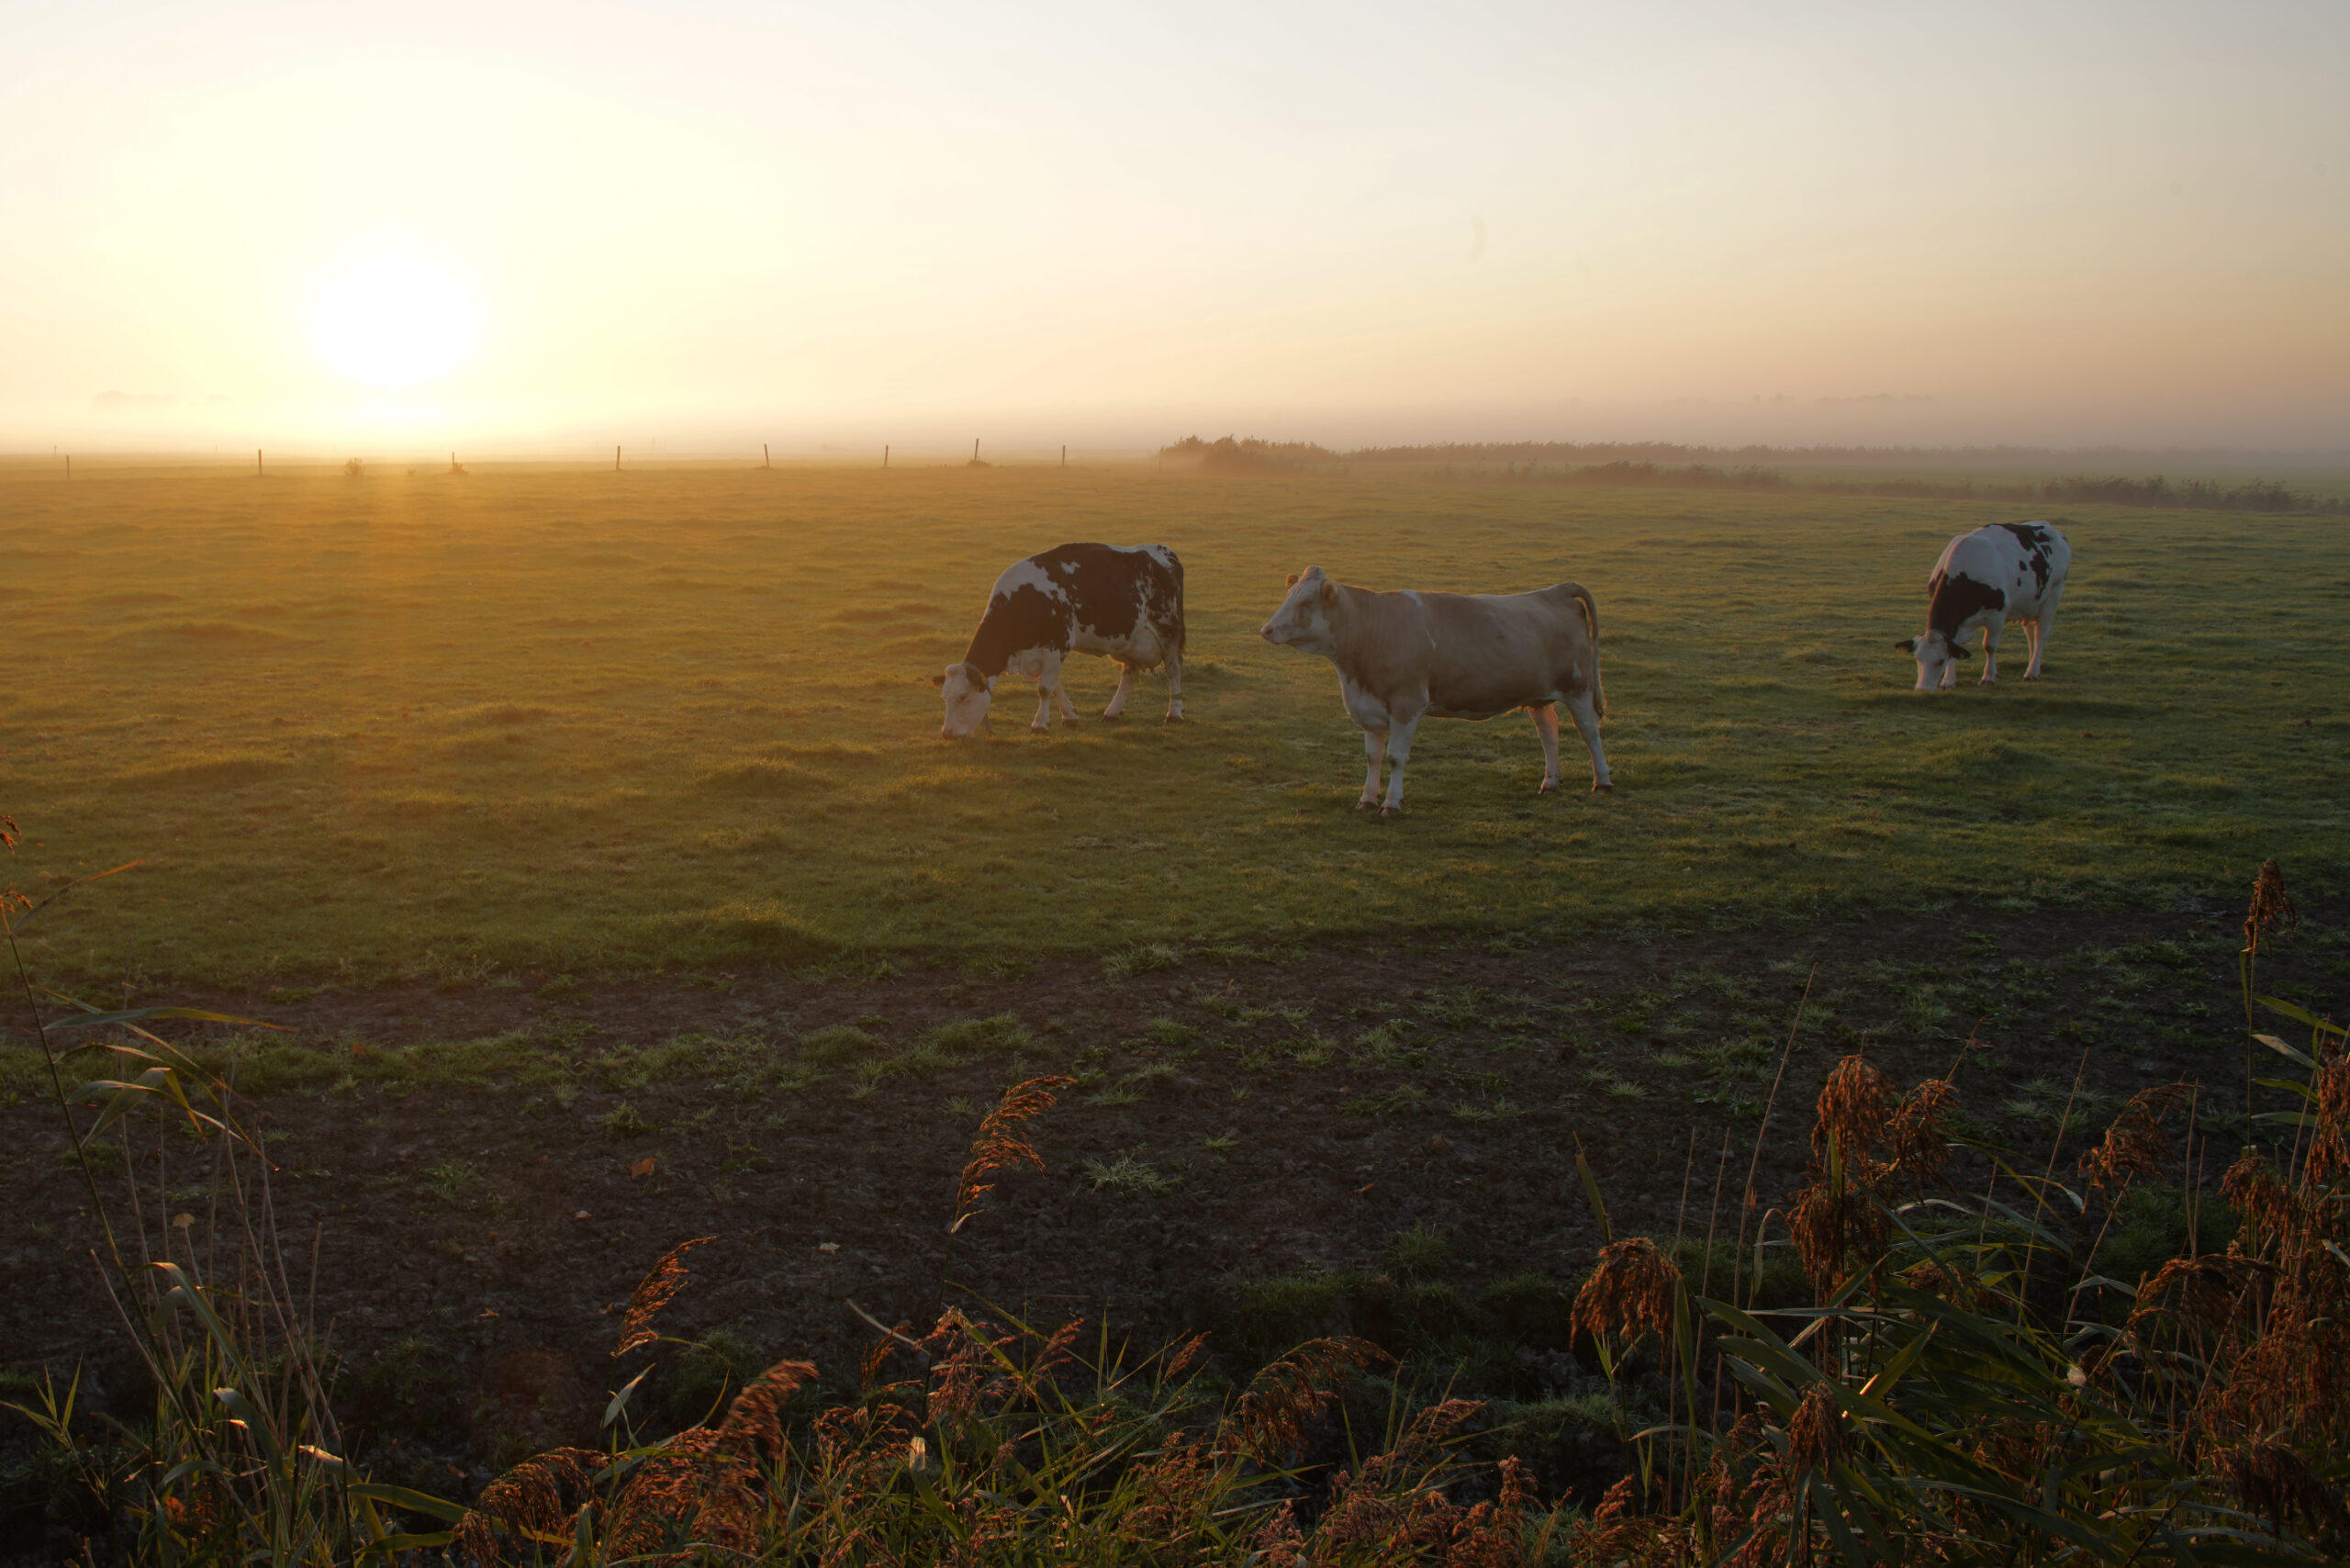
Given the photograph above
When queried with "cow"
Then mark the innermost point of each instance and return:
(2006, 571)
(1403, 656)
(1121, 602)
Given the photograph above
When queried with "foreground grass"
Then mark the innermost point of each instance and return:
(1914, 1376)
(570, 721)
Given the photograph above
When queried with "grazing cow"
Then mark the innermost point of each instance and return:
(1122, 603)
(2008, 571)
(1402, 657)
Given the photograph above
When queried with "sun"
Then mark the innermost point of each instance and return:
(394, 321)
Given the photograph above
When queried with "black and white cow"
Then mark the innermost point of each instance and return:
(2008, 571)
(1119, 602)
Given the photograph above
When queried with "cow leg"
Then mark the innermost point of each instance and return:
(1991, 653)
(2039, 629)
(1048, 693)
(1117, 707)
(1374, 751)
(1399, 752)
(1546, 725)
(1586, 718)
(1174, 687)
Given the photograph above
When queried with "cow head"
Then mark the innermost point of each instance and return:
(1304, 620)
(967, 692)
(1934, 653)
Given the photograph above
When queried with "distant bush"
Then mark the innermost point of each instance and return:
(1245, 455)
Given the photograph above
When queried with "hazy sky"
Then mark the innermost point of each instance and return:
(1116, 224)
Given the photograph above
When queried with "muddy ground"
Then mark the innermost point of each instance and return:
(1246, 1145)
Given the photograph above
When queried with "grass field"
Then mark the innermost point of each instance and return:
(575, 720)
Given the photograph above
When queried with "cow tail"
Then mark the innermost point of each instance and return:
(1183, 634)
(1591, 621)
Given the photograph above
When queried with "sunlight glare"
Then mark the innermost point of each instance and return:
(394, 320)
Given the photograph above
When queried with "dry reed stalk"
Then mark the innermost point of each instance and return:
(1854, 1106)
(2047, 1179)
(1632, 1291)
(2270, 912)
(1815, 1432)
(1763, 1131)
(877, 1354)
(2135, 1144)
(1002, 1142)
(1917, 1142)
(755, 1420)
(537, 1499)
(652, 1293)
(2211, 1290)
(1289, 1393)
(2329, 1156)
(2270, 909)
(2272, 1479)
(1869, 1147)
(1713, 1214)
(1618, 1534)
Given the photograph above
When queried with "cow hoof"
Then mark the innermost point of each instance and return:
(1365, 805)
(1548, 787)
(1040, 729)
(1602, 789)
(1107, 718)
(1391, 810)
(1174, 718)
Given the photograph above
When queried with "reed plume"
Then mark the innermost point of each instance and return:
(1003, 1143)
(652, 1293)
(1291, 1394)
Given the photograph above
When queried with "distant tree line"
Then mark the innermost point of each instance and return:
(1652, 465)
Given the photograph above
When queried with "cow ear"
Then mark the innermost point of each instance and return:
(937, 680)
(1293, 581)
(1908, 644)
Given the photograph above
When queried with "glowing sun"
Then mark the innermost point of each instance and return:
(394, 321)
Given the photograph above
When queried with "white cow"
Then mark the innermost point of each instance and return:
(1404, 656)
(2008, 571)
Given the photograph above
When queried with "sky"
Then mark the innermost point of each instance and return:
(530, 227)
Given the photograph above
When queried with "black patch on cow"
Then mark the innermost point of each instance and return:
(1956, 598)
(2034, 537)
(1020, 619)
(1108, 589)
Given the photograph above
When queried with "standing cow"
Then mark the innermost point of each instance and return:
(1402, 657)
(2008, 571)
(1119, 602)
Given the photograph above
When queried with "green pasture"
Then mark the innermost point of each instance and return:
(568, 719)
